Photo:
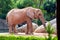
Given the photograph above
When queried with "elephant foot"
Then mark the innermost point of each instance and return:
(13, 32)
(26, 33)
(29, 33)
(10, 32)
(16, 32)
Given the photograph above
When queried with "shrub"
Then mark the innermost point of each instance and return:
(50, 7)
(49, 30)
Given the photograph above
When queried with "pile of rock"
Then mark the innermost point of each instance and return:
(41, 28)
(23, 28)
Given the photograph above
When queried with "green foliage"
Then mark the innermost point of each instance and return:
(4, 8)
(37, 21)
(25, 3)
(55, 38)
(12, 37)
(28, 3)
(50, 30)
(51, 38)
(7, 5)
(50, 7)
(2, 16)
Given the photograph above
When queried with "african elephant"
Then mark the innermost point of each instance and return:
(18, 16)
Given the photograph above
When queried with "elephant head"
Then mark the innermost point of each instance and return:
(36, 13)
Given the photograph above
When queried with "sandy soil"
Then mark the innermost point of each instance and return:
(35, 34)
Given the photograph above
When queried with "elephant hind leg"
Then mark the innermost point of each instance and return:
(10, 29)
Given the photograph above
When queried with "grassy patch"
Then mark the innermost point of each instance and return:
(15, 37)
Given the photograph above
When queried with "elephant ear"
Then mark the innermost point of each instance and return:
(30, 14)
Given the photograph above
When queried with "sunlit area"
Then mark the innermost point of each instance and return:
(28, 20)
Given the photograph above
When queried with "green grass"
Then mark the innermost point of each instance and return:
(22, 37)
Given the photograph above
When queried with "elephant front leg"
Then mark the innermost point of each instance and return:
(29, 27)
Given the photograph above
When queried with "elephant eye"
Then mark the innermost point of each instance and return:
(39, 14)
(34, 12)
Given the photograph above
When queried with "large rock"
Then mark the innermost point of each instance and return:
(23, 28)
(41, 29)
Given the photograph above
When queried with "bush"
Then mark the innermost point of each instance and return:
(50, 7)
(37, 21)
(3, 16)
(49, 30)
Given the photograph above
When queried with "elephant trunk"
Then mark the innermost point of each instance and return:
(43, 21)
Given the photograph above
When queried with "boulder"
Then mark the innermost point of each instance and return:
(23, 28)
(41, 28)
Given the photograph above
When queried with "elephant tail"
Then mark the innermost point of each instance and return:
(7, 20)
(9, 14)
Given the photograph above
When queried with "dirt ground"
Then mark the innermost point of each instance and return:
(35, 34)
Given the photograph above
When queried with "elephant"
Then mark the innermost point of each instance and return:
(18, 16)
